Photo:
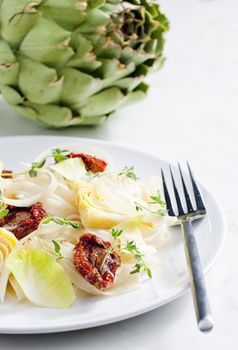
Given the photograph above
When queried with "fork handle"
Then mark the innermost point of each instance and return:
(200, 298)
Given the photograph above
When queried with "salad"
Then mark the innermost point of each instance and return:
(71, 225)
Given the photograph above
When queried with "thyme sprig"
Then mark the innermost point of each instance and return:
(59, 221)
(57, 154)
(60, 155)
(129, 172)
(36, 166)
(130, 247)
(155, 200)
(140, 263)
(115, 234)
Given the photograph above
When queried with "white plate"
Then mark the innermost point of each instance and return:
(90, 311)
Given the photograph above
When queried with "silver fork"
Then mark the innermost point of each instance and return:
(185, 217)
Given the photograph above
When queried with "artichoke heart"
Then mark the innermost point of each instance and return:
(107, 200)
(75, 62)
(92, 208)
(7, 242)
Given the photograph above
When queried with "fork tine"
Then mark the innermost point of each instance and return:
(178, 200)
(186, 194)
(197, 194)
(167, 196)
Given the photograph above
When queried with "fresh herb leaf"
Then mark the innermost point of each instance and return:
(57, 154)
(40, 164)
(57, 246)
(138, 207)
(3, 207)
(130, 247)
(3, 213)
(129, 172)
(137, 269)
(32, 173)
(36, 165)
(57, 250)
(60, 155)
(116, 233)
(60, 221)
(155, 200)
(140, 264)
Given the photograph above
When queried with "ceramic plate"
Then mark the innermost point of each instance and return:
(92, 311)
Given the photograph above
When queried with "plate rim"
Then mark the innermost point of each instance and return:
(113, 319)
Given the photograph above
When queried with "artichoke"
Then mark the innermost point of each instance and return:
(71, 62)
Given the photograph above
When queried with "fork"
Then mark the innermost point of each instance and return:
(186, 217)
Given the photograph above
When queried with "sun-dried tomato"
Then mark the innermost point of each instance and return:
(95, 262)
(21, 221)
(92, 163)
(7, 174)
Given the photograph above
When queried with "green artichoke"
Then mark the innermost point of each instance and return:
(71, 62)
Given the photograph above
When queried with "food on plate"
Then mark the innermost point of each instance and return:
(75, 62)
(22, 221)
(7, 242)
(70, 221)
(96, 261)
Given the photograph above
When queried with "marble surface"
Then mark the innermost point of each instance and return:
(190, 113)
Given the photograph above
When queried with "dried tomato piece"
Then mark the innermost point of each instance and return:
(92, 163)
(7, 174)
(21, 221)
(95, 262)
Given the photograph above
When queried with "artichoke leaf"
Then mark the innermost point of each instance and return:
(121, 72)
(17, 18)
(88, 121)
(78, 86)
(96, 22)
(11, 95)
(68, 14)
(48, 115)
(53, 50)
(9, 66)
(102, 103)
(39, 83)
(84, 58)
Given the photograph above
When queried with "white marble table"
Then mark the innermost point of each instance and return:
(191, 113)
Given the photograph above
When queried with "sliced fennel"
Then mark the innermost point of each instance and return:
(43, 281)
(71, 169)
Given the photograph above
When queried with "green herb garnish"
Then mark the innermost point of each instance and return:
(131, 248)
(140, 207)
(57, 250)
(129, 172)
(57, 154)
(155, 200)
(140, 264)
(116, 233)
(3, 207)
(59, 221)
(60, 155)
(35, 166)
